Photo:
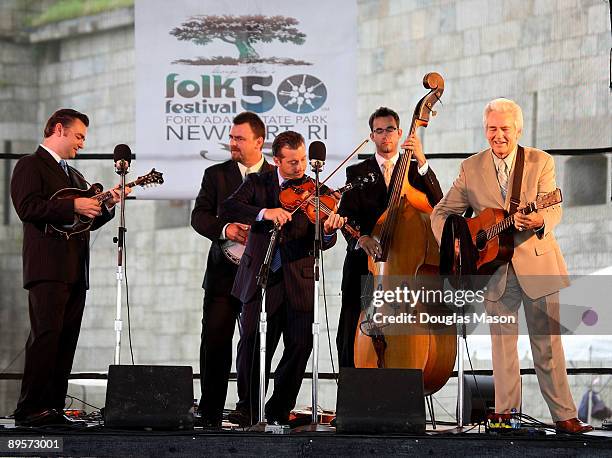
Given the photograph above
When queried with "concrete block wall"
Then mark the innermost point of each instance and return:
(550, 56)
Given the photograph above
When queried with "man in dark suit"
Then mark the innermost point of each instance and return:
(55, 268)
(220, 309)
(290, 292)
(364, 207)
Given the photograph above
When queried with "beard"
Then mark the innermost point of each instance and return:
(236, 155)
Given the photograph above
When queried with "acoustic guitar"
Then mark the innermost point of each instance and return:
(83, 223)
(492, 230)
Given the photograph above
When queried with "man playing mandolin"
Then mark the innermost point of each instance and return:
(536, 271)
(55, 267)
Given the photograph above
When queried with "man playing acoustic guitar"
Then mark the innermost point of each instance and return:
(536, 271)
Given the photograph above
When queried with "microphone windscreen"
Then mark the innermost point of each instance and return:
(316, 151)
(122, 152)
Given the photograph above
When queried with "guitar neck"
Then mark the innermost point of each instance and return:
(104, 196)
(507, 222)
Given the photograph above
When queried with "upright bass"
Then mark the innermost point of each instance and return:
(409, 254)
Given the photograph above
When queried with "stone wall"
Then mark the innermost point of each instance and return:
(551, 56)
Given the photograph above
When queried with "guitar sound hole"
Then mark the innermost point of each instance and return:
(481, 240)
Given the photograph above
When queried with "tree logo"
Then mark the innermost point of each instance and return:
(301, 93)
(243, 32)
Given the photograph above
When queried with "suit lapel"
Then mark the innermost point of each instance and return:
(266, 167)
(379, 187)
(489, 176)
(52, 165)
(234, 177)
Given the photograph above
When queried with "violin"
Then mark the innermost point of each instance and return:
(302, 197)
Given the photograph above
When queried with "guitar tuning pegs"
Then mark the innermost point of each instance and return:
(434, 112)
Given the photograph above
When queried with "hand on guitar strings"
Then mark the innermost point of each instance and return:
(525, 222)
(237, 232)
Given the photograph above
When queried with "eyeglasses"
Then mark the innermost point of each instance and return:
(388, 130)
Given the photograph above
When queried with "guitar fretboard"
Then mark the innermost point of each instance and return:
(104, 196)
(498, 228)
(552, 198)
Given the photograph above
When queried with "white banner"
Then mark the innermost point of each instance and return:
(200, 63)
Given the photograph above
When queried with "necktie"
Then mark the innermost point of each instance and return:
(64, 166)
(276, 261)
(387, 171)
(502, 177)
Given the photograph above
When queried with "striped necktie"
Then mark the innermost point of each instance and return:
(502, 177)
(64, 166)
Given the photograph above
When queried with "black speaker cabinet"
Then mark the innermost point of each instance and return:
(478, 397)
(380, 401)
(156, 397)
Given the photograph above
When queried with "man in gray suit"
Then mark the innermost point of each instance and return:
(536, 271)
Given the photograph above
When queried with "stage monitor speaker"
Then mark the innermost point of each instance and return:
(477, 400)
(155, 397)
(380, 401)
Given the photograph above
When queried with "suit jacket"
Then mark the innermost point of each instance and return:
(364, 206)
(48, 256)
(534, 255)
(218, 183)
(295, 243)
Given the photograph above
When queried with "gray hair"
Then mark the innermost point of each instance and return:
(503, 105)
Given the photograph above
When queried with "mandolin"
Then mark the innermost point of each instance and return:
(82, 223)
(491, 232)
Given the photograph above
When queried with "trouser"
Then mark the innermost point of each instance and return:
(542, 316)
(56, 311)
(296, 330)
(220, 312)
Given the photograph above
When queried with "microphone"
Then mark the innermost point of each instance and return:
(122, 156)
(316, 155)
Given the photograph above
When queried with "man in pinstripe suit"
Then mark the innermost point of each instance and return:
(55, 269)
(290, 293)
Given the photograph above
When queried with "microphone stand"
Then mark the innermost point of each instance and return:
(122, 170)
(460, 347)
(262, 283)
(317, 166)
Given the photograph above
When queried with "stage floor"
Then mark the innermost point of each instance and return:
(98, 441)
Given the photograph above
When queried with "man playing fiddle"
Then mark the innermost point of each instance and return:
(364, 207)
(290, 292)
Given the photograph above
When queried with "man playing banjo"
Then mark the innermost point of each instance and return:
(220, 309)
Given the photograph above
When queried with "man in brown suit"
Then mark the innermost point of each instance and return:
(536, 272)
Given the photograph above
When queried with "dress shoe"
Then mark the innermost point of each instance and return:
(39, 418)
(204, 421)
(572, 426)
(47, 417)
(240, 418)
